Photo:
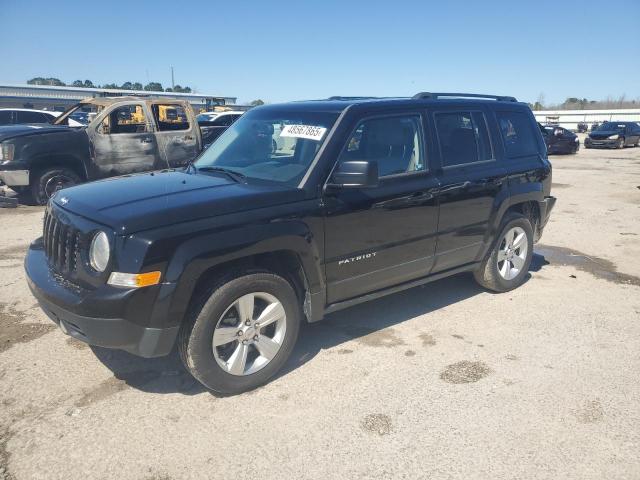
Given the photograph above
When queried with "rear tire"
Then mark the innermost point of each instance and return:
(506, 265)
(49, 181)
(217, 317)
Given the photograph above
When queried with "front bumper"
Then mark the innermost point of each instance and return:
(62, 302)
(601, 143)
(15, 178)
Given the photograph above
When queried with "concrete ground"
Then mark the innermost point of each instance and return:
(444, 381)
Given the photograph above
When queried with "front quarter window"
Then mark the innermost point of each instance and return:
(268, 145)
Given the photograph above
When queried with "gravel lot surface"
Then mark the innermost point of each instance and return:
(443, 381)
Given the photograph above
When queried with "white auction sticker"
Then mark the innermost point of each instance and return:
(303, 131)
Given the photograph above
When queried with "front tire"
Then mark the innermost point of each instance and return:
(49, 181)
(505, 267)
(241, 332)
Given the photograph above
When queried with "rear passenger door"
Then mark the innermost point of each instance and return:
(176, 134)
(472, 182)
(632, 134)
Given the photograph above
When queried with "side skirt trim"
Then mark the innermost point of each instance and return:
(334, 307)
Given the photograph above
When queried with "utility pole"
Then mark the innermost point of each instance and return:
(173, 85)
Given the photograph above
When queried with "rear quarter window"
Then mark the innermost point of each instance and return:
(517, 133)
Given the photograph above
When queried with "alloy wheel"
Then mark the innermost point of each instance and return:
(512, 253)
(249, 334)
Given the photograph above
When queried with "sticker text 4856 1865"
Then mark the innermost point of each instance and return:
(309, 132)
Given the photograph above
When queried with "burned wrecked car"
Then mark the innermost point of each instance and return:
(124, 135)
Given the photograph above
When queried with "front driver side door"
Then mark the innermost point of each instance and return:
(381, 236)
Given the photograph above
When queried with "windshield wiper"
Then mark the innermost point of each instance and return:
(236, 176)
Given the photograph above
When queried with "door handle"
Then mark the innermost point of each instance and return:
(146, 140)
(415, 199)
(188, 137)
(490, 182)
(458, 186)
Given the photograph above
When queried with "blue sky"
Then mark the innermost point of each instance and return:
(281, 51)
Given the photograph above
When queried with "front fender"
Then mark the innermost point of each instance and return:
(194, 257)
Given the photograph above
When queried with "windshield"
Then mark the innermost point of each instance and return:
(81, 112)
(611, 127)
(270, 146)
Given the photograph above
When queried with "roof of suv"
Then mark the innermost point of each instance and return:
(337, 104)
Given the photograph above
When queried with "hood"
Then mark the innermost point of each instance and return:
(140, 202)
(604, 133)
(12, 131)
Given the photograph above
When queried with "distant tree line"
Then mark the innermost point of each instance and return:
(149, 87)
(575, 103)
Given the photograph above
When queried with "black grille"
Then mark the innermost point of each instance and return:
(61, 243)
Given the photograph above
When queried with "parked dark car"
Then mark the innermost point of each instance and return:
(124, 135)
(213, 124)
(229, 256)
(559, 139)
(614, 135)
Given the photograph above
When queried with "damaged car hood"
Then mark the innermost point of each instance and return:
(140, 202)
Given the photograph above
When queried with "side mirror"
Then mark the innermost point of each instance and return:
(354, 174)
(557, 132)
(104, 129)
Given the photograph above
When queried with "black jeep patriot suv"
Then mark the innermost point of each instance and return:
(296, 211)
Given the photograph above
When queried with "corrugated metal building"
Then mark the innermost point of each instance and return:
(570, 118)
(46, 97)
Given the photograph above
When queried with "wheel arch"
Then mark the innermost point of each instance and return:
(292, 257)
(52, 160)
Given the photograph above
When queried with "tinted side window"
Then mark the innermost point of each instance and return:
(517, 133)
(170, 117)
(5, 117)
(463, 138)
(394, 142)
(31, 117)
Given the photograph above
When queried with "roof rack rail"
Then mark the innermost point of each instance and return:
(436, 96)
(339, 97)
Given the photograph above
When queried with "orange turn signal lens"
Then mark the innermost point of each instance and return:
(134, 280)
(147, 279)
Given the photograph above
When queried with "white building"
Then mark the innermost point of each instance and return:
(570, 118)
(46, 97)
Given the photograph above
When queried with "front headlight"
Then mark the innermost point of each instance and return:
(6, 151)
(99, 252)
(613, 137)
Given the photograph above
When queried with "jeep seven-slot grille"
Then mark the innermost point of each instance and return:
(61, 243)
